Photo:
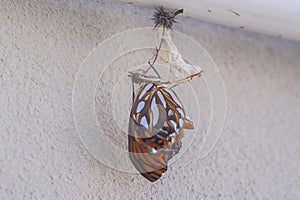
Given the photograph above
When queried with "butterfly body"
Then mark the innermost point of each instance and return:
(156, 128)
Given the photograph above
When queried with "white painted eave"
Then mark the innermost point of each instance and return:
(271, 17)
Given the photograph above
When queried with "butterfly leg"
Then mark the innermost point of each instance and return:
(133, 94)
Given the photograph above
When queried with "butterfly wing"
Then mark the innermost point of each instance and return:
(156, 128)
(151, 165)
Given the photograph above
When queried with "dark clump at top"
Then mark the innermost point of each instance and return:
(165, 18)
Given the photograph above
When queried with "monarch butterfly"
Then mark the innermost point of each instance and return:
(157, 117)
(156, 127)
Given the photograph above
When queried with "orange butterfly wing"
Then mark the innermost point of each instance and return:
(156, 128)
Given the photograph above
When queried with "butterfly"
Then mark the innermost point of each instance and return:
(156, 128)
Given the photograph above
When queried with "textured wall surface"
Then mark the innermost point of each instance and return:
(41, 157)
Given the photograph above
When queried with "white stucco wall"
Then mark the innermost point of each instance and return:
(41, 157)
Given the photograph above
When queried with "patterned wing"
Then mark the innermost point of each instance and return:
(156, 127)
